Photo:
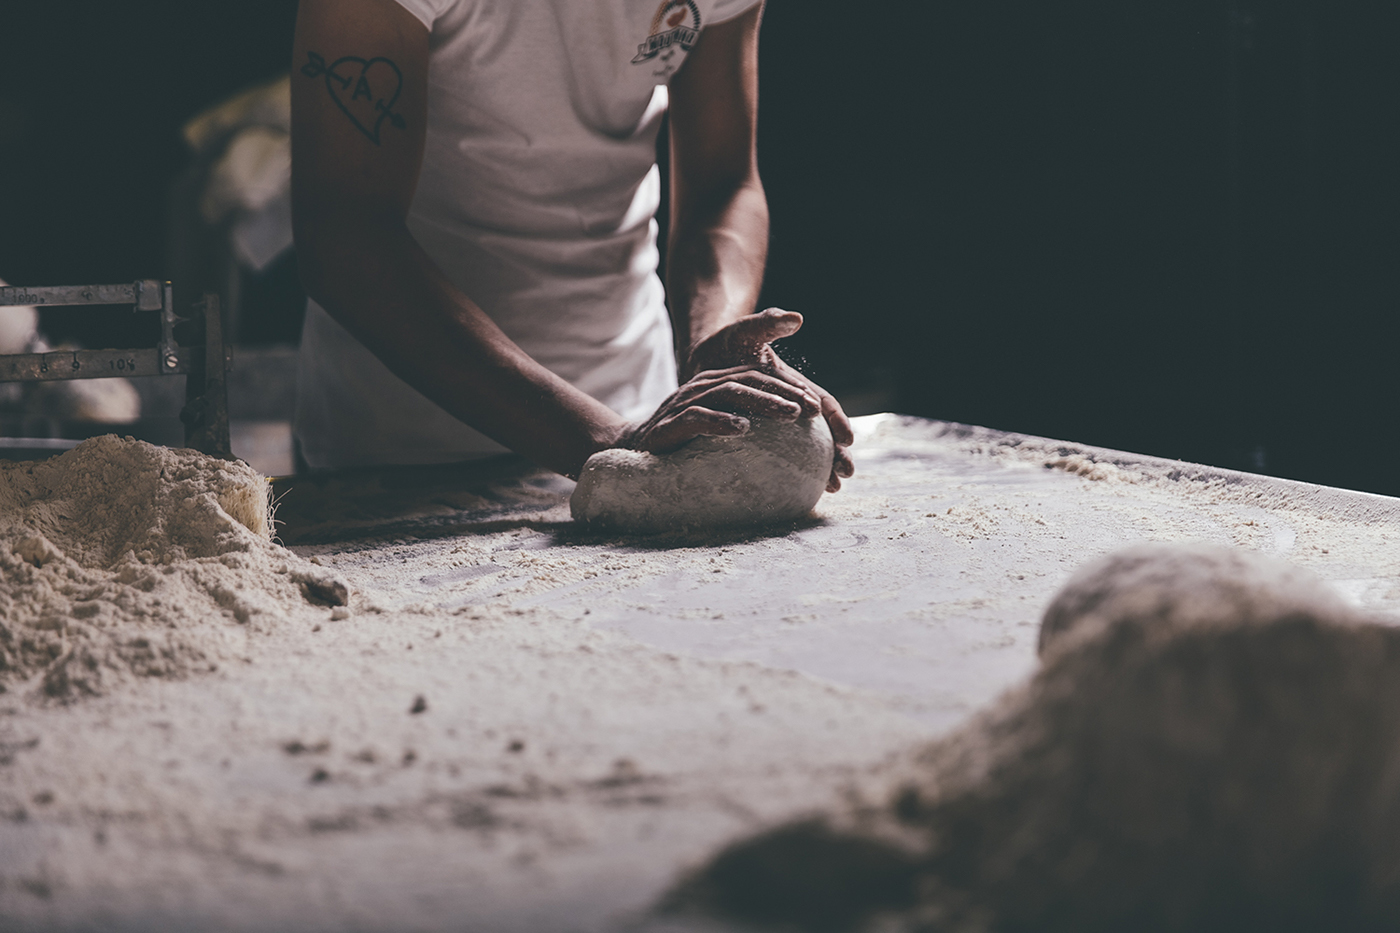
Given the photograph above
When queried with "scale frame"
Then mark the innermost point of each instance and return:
(205, 413)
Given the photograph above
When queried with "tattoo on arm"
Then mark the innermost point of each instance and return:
(365, 90)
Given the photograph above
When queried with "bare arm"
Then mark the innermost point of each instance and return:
(719, 226)
(718, 241)
(358, 149)
(359, 108)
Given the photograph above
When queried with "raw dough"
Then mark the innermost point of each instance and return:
(774, 473)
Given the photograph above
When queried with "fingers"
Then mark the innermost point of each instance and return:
(842, 464)
(689, 423)
(841, 431)
(842, 467)
(714, 402)
(754, 391)
(747, 400)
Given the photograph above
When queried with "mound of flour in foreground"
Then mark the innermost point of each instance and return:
(120, 559)
(774, 473)
(1209, 745)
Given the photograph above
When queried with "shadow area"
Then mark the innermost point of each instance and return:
(376, 503)
(480, 497)
(578, 533)
(805, 876)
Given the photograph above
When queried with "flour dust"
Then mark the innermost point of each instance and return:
(120, 559)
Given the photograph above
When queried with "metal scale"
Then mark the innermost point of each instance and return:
(203, 361)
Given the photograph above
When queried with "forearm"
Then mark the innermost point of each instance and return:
(714, 269)
(376, 281)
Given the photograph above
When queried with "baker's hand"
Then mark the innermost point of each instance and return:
(715, 402)
(748, 342)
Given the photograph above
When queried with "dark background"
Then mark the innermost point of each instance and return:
(1168, 228)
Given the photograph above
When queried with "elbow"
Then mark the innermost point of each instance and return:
(722, 188)
(717, 198)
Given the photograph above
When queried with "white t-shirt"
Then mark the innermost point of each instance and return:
(537, 199)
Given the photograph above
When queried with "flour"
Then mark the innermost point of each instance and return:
(1210, 745)
(1180, 586)
(121, 559)
(602, 715)
(774, 473)
(1089, 468)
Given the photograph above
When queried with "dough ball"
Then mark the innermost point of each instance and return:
(1175, 585)
(774, 473)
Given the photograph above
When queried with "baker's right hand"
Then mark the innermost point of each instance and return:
(716, 403)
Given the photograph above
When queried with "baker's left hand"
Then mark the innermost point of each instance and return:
(748, 342)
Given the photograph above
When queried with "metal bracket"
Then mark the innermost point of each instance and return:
(206, 387)
(206, 425)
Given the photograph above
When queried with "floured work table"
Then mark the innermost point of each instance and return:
(521, 725)
(923, 580)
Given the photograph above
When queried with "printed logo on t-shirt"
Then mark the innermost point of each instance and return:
(676, 23)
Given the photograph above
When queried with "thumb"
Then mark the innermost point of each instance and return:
(765, 327)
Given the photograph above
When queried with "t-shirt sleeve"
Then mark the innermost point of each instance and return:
(724, 9)
(427, 11)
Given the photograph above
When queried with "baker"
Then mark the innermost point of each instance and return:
(474, 192)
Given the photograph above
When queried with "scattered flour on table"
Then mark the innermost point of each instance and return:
(1343, 533)
(1089, 468)
(120, 559)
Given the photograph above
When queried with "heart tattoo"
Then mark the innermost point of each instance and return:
(365, 90)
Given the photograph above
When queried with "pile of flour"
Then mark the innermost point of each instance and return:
(121, 559)
(1210, 744)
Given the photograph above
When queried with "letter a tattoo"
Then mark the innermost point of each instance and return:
(377, 81)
